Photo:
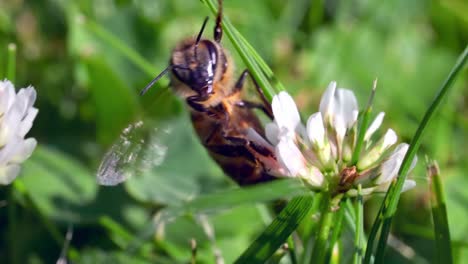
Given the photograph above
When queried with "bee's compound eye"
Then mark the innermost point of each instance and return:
(196, 66)
(182, 73)
(207, 54)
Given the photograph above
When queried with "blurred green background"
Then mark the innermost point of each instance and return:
(83, 57)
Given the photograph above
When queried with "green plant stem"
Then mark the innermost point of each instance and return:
(12, 226)
(11, 62)
(309, 230)
(335, 253)
(393, 195)
(363, 127)
(12, 221)
(357, 259)
(337, 227)
(292, 250)
(327, 211)
(51, 228)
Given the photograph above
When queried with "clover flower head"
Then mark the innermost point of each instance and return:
(320, 152)
(16, 117)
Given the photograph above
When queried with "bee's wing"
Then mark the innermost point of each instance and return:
(136, 151)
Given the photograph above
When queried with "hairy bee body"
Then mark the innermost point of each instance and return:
(201, 73)
(227, 129)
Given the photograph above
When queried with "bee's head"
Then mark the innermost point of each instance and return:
(196, 65)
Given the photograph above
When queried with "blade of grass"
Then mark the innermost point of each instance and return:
(120, 46)
(439, 215)
(244, 52)
(278, 86)
(393, 195)
(373, 235)
(292, 250)
(278, 231)
(279, 189)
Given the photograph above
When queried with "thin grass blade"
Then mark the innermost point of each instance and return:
(439, 215)
(114, 42)
(393, 195)
(278, 231)
(279, 189)
(252, 62)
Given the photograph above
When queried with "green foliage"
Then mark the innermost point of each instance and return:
(58, 184)
(89, 59)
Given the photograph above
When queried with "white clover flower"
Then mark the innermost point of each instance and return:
(321, 153)
(16, 117)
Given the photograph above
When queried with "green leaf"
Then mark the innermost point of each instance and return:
(209, 203)
(57, 183)
(278, 231)
(119, 234)
(116, 105)
(96, 255)
(279, 189)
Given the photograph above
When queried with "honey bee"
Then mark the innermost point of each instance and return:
(201, 73)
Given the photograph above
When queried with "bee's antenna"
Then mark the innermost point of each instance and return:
(201, 30)
(155, 80)
(218, 30)
(199, 36)
(160, 76)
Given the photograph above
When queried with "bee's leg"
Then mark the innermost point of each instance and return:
(194, 103)
(249, 104)
(249, 144)
(264, 106)
(256, 153)
(218, 30)
(240, 82)
(252, 153)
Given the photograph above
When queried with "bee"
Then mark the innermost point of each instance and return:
(202, 73)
